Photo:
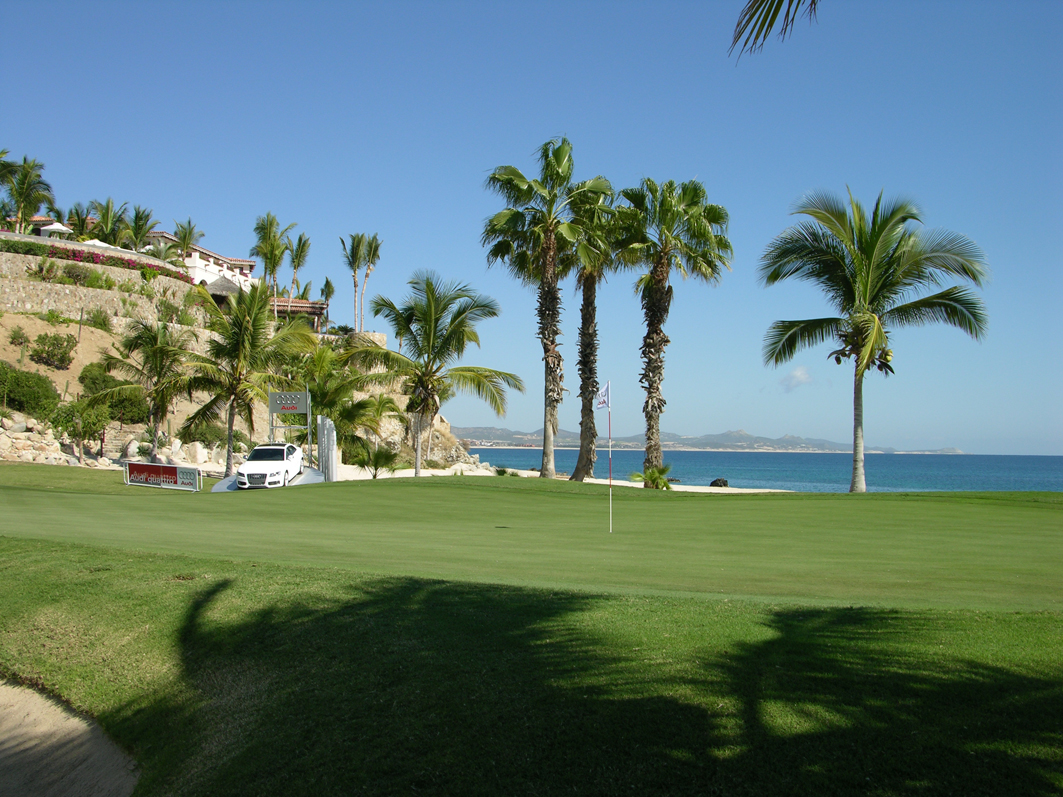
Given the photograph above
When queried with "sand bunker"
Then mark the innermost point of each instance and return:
(47, 750)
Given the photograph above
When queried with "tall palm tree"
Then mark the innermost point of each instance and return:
(436, 324)
(166, 251)
(242, 359)
(667, 228)
(757, 21)
(111, 221)
(28, 190)
(79, 220)
(153, 357)
(140, 224)
(187, 236)
(594, 260)
(871, 269)
(7, 168)
(354, 257)
(270, 246)
(371, 257)
(298, 252)
(328, 290)
(530, 237)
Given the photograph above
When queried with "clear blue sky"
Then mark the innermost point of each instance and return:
(387, 118)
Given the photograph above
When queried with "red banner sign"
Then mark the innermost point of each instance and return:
(171, 477)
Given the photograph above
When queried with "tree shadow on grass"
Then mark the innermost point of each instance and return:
(847, 701)
(422, 687)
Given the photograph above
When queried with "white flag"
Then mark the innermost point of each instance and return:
(603, 398)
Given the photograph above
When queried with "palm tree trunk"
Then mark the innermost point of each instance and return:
(858, 484)
(361, 320)
(549, 321)
(355, 322)
(588, 381)
(431, 423)
(229, 438)
(656, 301)
(156, 430)
(417, 445)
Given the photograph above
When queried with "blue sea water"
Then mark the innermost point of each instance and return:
(815, 472)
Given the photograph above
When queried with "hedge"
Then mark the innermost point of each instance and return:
(86, 256)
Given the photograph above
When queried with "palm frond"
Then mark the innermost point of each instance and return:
(785, 338)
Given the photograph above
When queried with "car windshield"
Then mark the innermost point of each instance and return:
(266, 455)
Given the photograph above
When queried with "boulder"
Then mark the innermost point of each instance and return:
(197, 454)
(16, 428)
(131, 449)
(718, 483)
(6, 423)
(175, 448)
(5, 442)
(32, 424)
(26, 456)
(104, 462)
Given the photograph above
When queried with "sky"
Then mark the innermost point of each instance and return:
(388, 117)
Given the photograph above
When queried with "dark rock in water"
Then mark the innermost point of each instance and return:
(672, 480)
(718, 483)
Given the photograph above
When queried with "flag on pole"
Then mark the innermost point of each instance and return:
(603, 398)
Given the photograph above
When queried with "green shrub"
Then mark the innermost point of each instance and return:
(127, 286)
(33, 394)
(46, 270)
(24, 248)
(186, 319)
(131, 408)
(54, 317)
(18, 337)
(213, 434)
(148, 274)
(54, 350)
(146, 291)
(167, 311)
(99, 319)
(77, 272)
(97, 279)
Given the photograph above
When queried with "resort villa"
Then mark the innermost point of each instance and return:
(220, 275)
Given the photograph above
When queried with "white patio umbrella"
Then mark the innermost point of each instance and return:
(56, 228)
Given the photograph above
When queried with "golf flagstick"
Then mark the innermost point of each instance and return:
(605, 400)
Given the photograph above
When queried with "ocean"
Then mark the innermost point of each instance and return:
(815, 473)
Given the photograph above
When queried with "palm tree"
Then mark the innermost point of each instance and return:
(664, 228)
(354, 257)
(140, 224)
(78, 219)
(7, 169)
(153, 357)
(332, 383)
(758, 18)
(166, 251)
(328, 290)
(28, 190)
(187, 236)
(371, 256)
(381, 407)
(298, 252)
(436, 324)
(595, 258)
(870, 268)
(270, 246)
(110, 221)
(241, 359)
(531, 236)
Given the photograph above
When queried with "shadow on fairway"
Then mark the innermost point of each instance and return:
(420, 687)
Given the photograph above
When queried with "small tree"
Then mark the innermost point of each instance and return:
(81, 422)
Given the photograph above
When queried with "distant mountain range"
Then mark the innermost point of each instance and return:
(491, 436)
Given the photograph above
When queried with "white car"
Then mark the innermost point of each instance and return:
(270, 465)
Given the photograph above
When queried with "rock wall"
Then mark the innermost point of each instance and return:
(18, 294)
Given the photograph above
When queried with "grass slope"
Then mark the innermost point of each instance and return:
(988, 550)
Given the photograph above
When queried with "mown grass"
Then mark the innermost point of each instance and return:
(984, 550)
(236, 671)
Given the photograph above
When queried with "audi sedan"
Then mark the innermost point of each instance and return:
(270, 465)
